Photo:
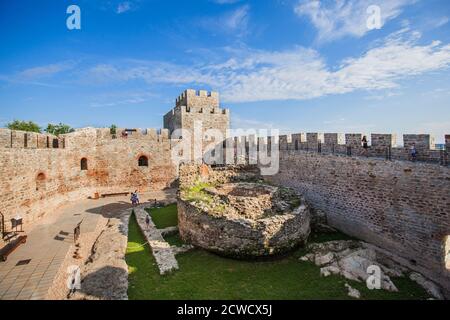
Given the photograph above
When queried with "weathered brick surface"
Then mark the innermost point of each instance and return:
(112, 167)
(198, 108)
(401, 206)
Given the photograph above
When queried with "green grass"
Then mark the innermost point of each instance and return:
(197, 193)
(203, 275)
(164, 217)
(174, 240)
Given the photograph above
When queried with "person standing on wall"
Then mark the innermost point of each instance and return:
(413, 152)
(365, 145)
(147, 221)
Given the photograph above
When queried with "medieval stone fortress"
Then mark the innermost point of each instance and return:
(393, 209)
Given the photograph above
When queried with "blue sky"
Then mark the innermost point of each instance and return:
(290, 64)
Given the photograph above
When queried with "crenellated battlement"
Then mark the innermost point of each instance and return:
(85, 137)
(350, 144)
(198, 98)
(197, 106)
(29, 140)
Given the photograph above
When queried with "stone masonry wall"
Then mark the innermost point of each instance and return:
(199, 108)
(34, 181)
(401, 206)
(242, 237)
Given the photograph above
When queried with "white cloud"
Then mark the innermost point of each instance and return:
(340, 18)
(246, 75)
(149, 71)
(34, 75)
(45, 70)
(255, 75)
(440, 22)
(121, 98)
(235, 21)
(123, 7)
(302, 74)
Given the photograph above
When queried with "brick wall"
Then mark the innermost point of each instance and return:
(401, 206)
(36, 181)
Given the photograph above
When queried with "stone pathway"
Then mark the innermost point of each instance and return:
(50, 243)
(46, 249)
(162, 251)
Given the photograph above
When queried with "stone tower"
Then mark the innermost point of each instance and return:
(192, 106)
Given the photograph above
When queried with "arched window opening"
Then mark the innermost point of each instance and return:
(40, 182)
(84, 164)
(143, 161)
(55, 143)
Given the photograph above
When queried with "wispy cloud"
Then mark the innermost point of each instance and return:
(297, 74)
(123, 7)
(121, 99)
(440, 22)
(233, 22)
(45, 71)
(340, 18)
(225, 1)
(302, 74)
(246, 75)
(35, 75)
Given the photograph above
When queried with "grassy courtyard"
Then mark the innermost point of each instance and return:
(203, 275)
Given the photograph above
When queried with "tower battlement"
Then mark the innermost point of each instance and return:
(198, 98)
(197, 105)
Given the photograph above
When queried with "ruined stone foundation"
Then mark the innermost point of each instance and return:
(242, 219)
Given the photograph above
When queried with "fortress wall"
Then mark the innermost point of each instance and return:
(29, 140)
(401, 206)
(116, 163)
(35, 182)
(382, 146)
(112, 167)
(377, 195)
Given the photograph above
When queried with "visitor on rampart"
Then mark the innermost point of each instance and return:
(413, 152)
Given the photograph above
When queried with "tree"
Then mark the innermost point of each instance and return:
(113, 129)
(57, 129)
(24, 126)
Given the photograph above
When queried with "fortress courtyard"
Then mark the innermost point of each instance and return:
(300, 216)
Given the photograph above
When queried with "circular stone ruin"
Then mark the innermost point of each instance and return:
(243, 219)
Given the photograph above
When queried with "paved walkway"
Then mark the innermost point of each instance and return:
(30, 271)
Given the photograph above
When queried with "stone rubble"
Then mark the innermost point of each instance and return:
(169, 231)
(184, 248)
(428, 285)
(105, 274)
(162, 251)
(351, 258)
(352, 292)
